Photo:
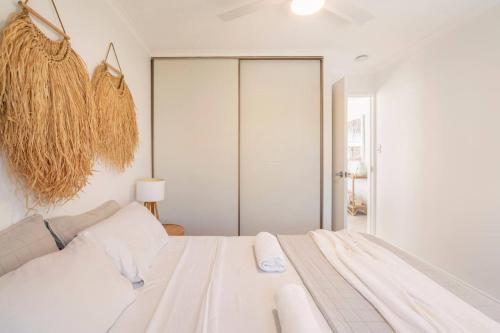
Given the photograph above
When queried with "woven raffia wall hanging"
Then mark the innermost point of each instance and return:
(47, 119)
(117, 125)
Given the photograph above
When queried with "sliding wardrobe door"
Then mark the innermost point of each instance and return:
(195, 140)
(280, 146)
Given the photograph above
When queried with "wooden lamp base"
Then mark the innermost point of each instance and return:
(153, 208)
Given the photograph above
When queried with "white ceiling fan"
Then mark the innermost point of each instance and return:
(343, 9)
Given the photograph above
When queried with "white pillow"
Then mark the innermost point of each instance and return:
(132, 237)
(74, 290)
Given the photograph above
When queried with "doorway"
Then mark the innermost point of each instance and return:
(353, 183)
(358, 158)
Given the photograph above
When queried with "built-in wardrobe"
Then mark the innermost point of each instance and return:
(239, 143)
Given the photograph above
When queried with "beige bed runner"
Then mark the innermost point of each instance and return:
(343, 307)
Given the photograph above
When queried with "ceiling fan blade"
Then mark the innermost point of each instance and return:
(347, 11)
(247, 9)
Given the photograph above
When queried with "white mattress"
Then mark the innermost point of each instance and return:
(208, 284)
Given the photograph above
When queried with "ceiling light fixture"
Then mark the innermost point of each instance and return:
(306, 7)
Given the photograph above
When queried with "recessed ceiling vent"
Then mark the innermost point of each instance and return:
(362, 57)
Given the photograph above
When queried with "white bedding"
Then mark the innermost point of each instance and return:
(137, 316)
(208, 284)
(58, 292)
(408, 300)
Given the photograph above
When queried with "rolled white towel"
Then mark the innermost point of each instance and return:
(294, 311)
(270, 257)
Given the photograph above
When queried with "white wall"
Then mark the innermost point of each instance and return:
(438, 188)
(92, 24)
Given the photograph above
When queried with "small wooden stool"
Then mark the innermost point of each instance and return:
(174, 229)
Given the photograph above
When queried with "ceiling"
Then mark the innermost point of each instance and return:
(191, 27)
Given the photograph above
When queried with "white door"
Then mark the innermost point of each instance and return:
(280, 146)
(195, 140)
(339, 153)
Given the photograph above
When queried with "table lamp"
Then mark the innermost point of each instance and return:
(150, 191)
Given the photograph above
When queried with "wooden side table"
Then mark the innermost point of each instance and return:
(174, 229)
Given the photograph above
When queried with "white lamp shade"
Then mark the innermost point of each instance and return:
(150, 190)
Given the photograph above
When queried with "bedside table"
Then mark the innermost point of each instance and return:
(174, 229)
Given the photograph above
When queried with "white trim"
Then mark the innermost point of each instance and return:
(346, 163)
(372, 220)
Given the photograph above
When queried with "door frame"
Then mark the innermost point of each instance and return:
(371, 216)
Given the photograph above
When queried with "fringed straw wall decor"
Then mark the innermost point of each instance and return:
(117, 125)
(47, 119)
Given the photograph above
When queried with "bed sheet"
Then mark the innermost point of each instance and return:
(209, 284)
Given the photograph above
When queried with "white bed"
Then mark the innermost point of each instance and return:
(212, 284)
(346, 282)
(239, 298)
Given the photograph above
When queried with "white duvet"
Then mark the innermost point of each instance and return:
(209, 285)
(408, 300)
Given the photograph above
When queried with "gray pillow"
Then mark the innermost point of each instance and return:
(65, 228)
(23, 241)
